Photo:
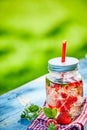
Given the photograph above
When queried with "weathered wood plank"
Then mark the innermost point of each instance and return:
(10, 107)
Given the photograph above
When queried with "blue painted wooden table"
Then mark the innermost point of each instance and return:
(11, 108)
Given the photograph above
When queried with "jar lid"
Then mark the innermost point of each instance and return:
(56, 65)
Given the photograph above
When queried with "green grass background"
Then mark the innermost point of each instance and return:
(31, 33)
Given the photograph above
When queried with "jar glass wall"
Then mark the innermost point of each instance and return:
(64, 91)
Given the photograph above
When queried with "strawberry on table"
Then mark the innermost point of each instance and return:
(49, 121)
(64, 118)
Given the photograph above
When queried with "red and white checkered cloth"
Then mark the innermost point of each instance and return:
(40, 122)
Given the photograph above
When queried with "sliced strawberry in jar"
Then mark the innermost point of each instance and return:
(50, 106)
(66, 86)
(56, 87)
(72, 84)
(64, 95)
(65, 107)
(71, 100)
(79, 83)
(64, 118)
(59, 104)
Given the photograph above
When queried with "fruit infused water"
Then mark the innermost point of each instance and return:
(64, 89)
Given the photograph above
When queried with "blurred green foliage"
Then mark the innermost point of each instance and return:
(31, 33)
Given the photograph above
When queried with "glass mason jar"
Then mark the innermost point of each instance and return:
(64, 87)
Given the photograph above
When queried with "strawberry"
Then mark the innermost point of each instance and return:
(71, 100)
(50, 106)
(64, 95)
(79, 83)
(66, 87)
(56, 87)
(49, 121)
(59, 103)
(73, 84)
(76, 84)
(64, 118)
(65, 107)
